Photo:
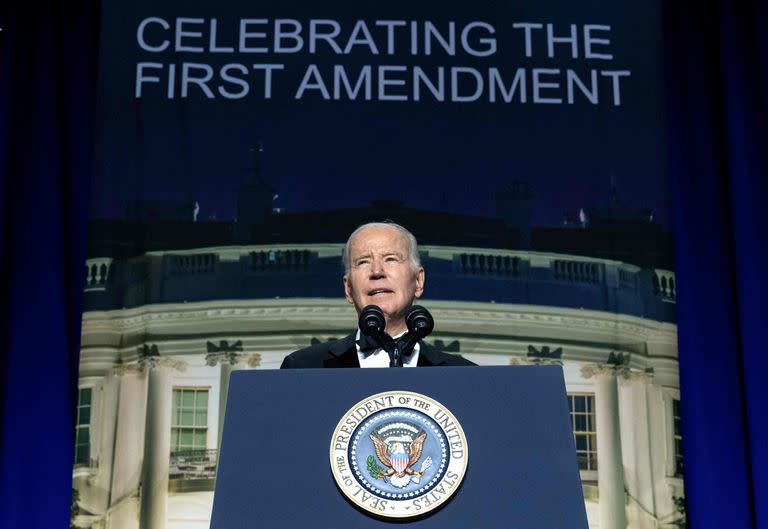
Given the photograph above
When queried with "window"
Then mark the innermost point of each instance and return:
(678, 437)
(189, 424)
(582, 408)
(83, 427)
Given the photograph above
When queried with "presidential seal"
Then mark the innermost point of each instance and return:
(398, 454)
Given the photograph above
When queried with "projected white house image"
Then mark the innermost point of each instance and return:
(164, 330)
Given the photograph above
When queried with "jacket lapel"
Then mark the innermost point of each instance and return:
(343, 353)
(428, 356)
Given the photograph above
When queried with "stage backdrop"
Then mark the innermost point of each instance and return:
(239, 145)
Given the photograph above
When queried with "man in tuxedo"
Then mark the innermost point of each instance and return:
(381, 267)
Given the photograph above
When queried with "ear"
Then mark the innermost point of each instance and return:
(420, 276)
(348, 290)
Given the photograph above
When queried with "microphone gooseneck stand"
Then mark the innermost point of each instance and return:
(418, 320)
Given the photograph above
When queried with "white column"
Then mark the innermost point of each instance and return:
(128, 444)
(108, 427)
(157, 442)
(226, 371)
(157, 449)
(228, 361)
(635, 395)
(610, 467)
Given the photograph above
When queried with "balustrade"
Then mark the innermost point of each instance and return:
(664, 285)
(271, 260)
(627, 279)
(199, 263)
(577, 271)
(97, 273)
(489, 264)
(193, 464)
(134, 286)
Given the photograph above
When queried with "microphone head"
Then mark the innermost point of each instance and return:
(371, 320)
(419, 321)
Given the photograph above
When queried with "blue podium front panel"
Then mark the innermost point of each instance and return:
(274, 468)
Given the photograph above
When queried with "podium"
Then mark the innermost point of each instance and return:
(521, 471)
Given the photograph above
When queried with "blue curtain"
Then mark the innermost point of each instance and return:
(718, 92)
(717, 70)
(47, 96)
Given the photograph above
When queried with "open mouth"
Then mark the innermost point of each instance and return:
(379, 291)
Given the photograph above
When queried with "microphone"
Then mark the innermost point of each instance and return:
(372, 323)
(420, 323)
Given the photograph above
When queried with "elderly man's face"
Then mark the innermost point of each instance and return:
(381, 273)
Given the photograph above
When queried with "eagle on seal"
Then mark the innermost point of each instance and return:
(398, 459)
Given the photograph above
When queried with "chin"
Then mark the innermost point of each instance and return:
(383, 302)
(386, 305)
(393, 313)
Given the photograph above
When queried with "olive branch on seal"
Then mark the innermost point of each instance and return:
(373, 468)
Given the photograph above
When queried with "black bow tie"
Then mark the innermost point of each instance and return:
(367, 345)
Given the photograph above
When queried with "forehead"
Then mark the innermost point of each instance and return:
(379, 239)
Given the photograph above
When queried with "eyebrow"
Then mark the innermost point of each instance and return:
(369, 256)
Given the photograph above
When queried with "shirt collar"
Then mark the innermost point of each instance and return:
(375, 356)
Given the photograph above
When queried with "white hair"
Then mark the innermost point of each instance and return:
(413, 247)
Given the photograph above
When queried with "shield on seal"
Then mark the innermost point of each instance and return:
(399, 462)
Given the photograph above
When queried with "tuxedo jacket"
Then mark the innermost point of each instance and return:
(343, 353)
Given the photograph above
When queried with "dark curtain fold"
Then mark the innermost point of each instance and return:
(745, 51)
(47, 97)
(716, 75)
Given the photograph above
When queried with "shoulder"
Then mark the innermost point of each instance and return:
(336, 353)
(311, 356)
(439, 358)
(455, 360)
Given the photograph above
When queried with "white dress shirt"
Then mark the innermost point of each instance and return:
(380, 358)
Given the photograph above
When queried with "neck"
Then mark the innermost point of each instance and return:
(394, 328)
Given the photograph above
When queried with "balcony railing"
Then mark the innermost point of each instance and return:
(664, 285)
(97, 273)
(193, 464)
(312, 270)
(576, 271)
(280, 260)
(489, 264)
(198, 263)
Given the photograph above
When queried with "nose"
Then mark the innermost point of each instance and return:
(377, 268)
